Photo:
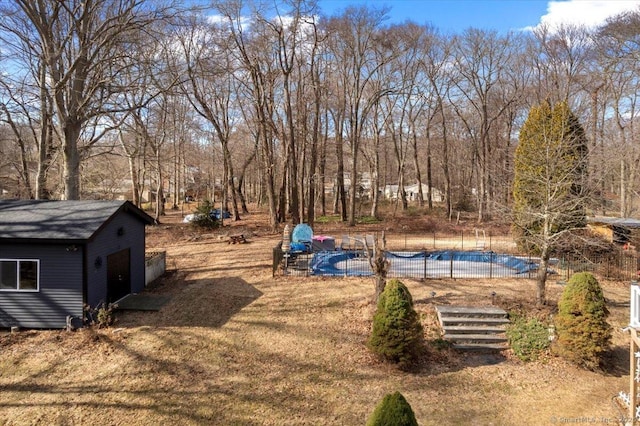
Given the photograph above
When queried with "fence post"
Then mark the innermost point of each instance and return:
(461, 240)
(451, 266)
(424, 271)
(530, 263)
(347, 260)
(490, 264)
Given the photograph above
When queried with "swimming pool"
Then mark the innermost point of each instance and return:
(423, 264)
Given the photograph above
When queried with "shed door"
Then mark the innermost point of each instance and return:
(118, 277)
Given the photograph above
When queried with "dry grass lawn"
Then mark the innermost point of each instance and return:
(236, 346)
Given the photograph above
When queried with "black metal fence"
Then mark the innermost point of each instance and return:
(617, 265)
(466, 240)
(425, 264)
(417, 265)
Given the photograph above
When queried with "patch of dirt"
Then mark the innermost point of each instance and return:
(236, 345)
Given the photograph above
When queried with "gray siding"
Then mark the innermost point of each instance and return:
(62, 276)
(60, 293)
(106, 242)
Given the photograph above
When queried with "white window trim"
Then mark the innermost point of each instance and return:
(18, 290)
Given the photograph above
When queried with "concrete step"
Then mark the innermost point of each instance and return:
(474, 328)
(476, 338)
(471, 320)
(480, 346)
(471, 310)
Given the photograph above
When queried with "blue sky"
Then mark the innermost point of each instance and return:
(501, 15)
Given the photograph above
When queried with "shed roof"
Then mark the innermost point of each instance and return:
(76, 220)
(625, 222)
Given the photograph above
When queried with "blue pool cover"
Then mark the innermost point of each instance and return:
(326, 263)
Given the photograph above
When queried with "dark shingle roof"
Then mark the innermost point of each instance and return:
(59, 220)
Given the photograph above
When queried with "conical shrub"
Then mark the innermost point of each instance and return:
(396, 333)
(582, 331)
(393, 410)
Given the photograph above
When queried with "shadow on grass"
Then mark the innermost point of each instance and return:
(209, 302)
(615, 362)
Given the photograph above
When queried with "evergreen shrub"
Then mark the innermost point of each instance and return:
(582, 331)
(203, 217)
(397, 332)
(393, 410)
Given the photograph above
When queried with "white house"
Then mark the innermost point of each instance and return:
(390, 192)
(412, 193)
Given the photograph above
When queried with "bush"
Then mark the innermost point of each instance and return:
(101, 316)
(396, 333)
(203, 217)
(393, 410)
(582, 331)
(528, 338)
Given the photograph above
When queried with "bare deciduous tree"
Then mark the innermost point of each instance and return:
(83, 47)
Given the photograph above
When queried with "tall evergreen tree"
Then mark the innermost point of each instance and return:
(549, 187)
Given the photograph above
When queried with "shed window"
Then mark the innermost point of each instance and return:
(21, 275)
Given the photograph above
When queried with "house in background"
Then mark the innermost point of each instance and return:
(390, 192)
(412, 193)
(58, 256)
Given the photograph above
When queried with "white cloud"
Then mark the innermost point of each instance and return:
(590, 13)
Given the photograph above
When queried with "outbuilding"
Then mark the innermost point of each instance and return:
(624, 231)
(56, 257)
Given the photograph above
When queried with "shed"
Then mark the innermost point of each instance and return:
(56, 257)
(616, 229)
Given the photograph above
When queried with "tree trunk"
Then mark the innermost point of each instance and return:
(623, 189)
(282, 198)
(241, 177)
(375, 181)
(323, 167)
(291, 169)
(71, 160)
(541, 281)
(229, 183)
(340, 195)
(44, 159)
(269, 185)
(160, 199)
(380, 266)
(133, 173)
(354, 183)
(313, 160)
(445, 162)
(45, 141)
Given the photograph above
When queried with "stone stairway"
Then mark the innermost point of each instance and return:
(474, 328)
